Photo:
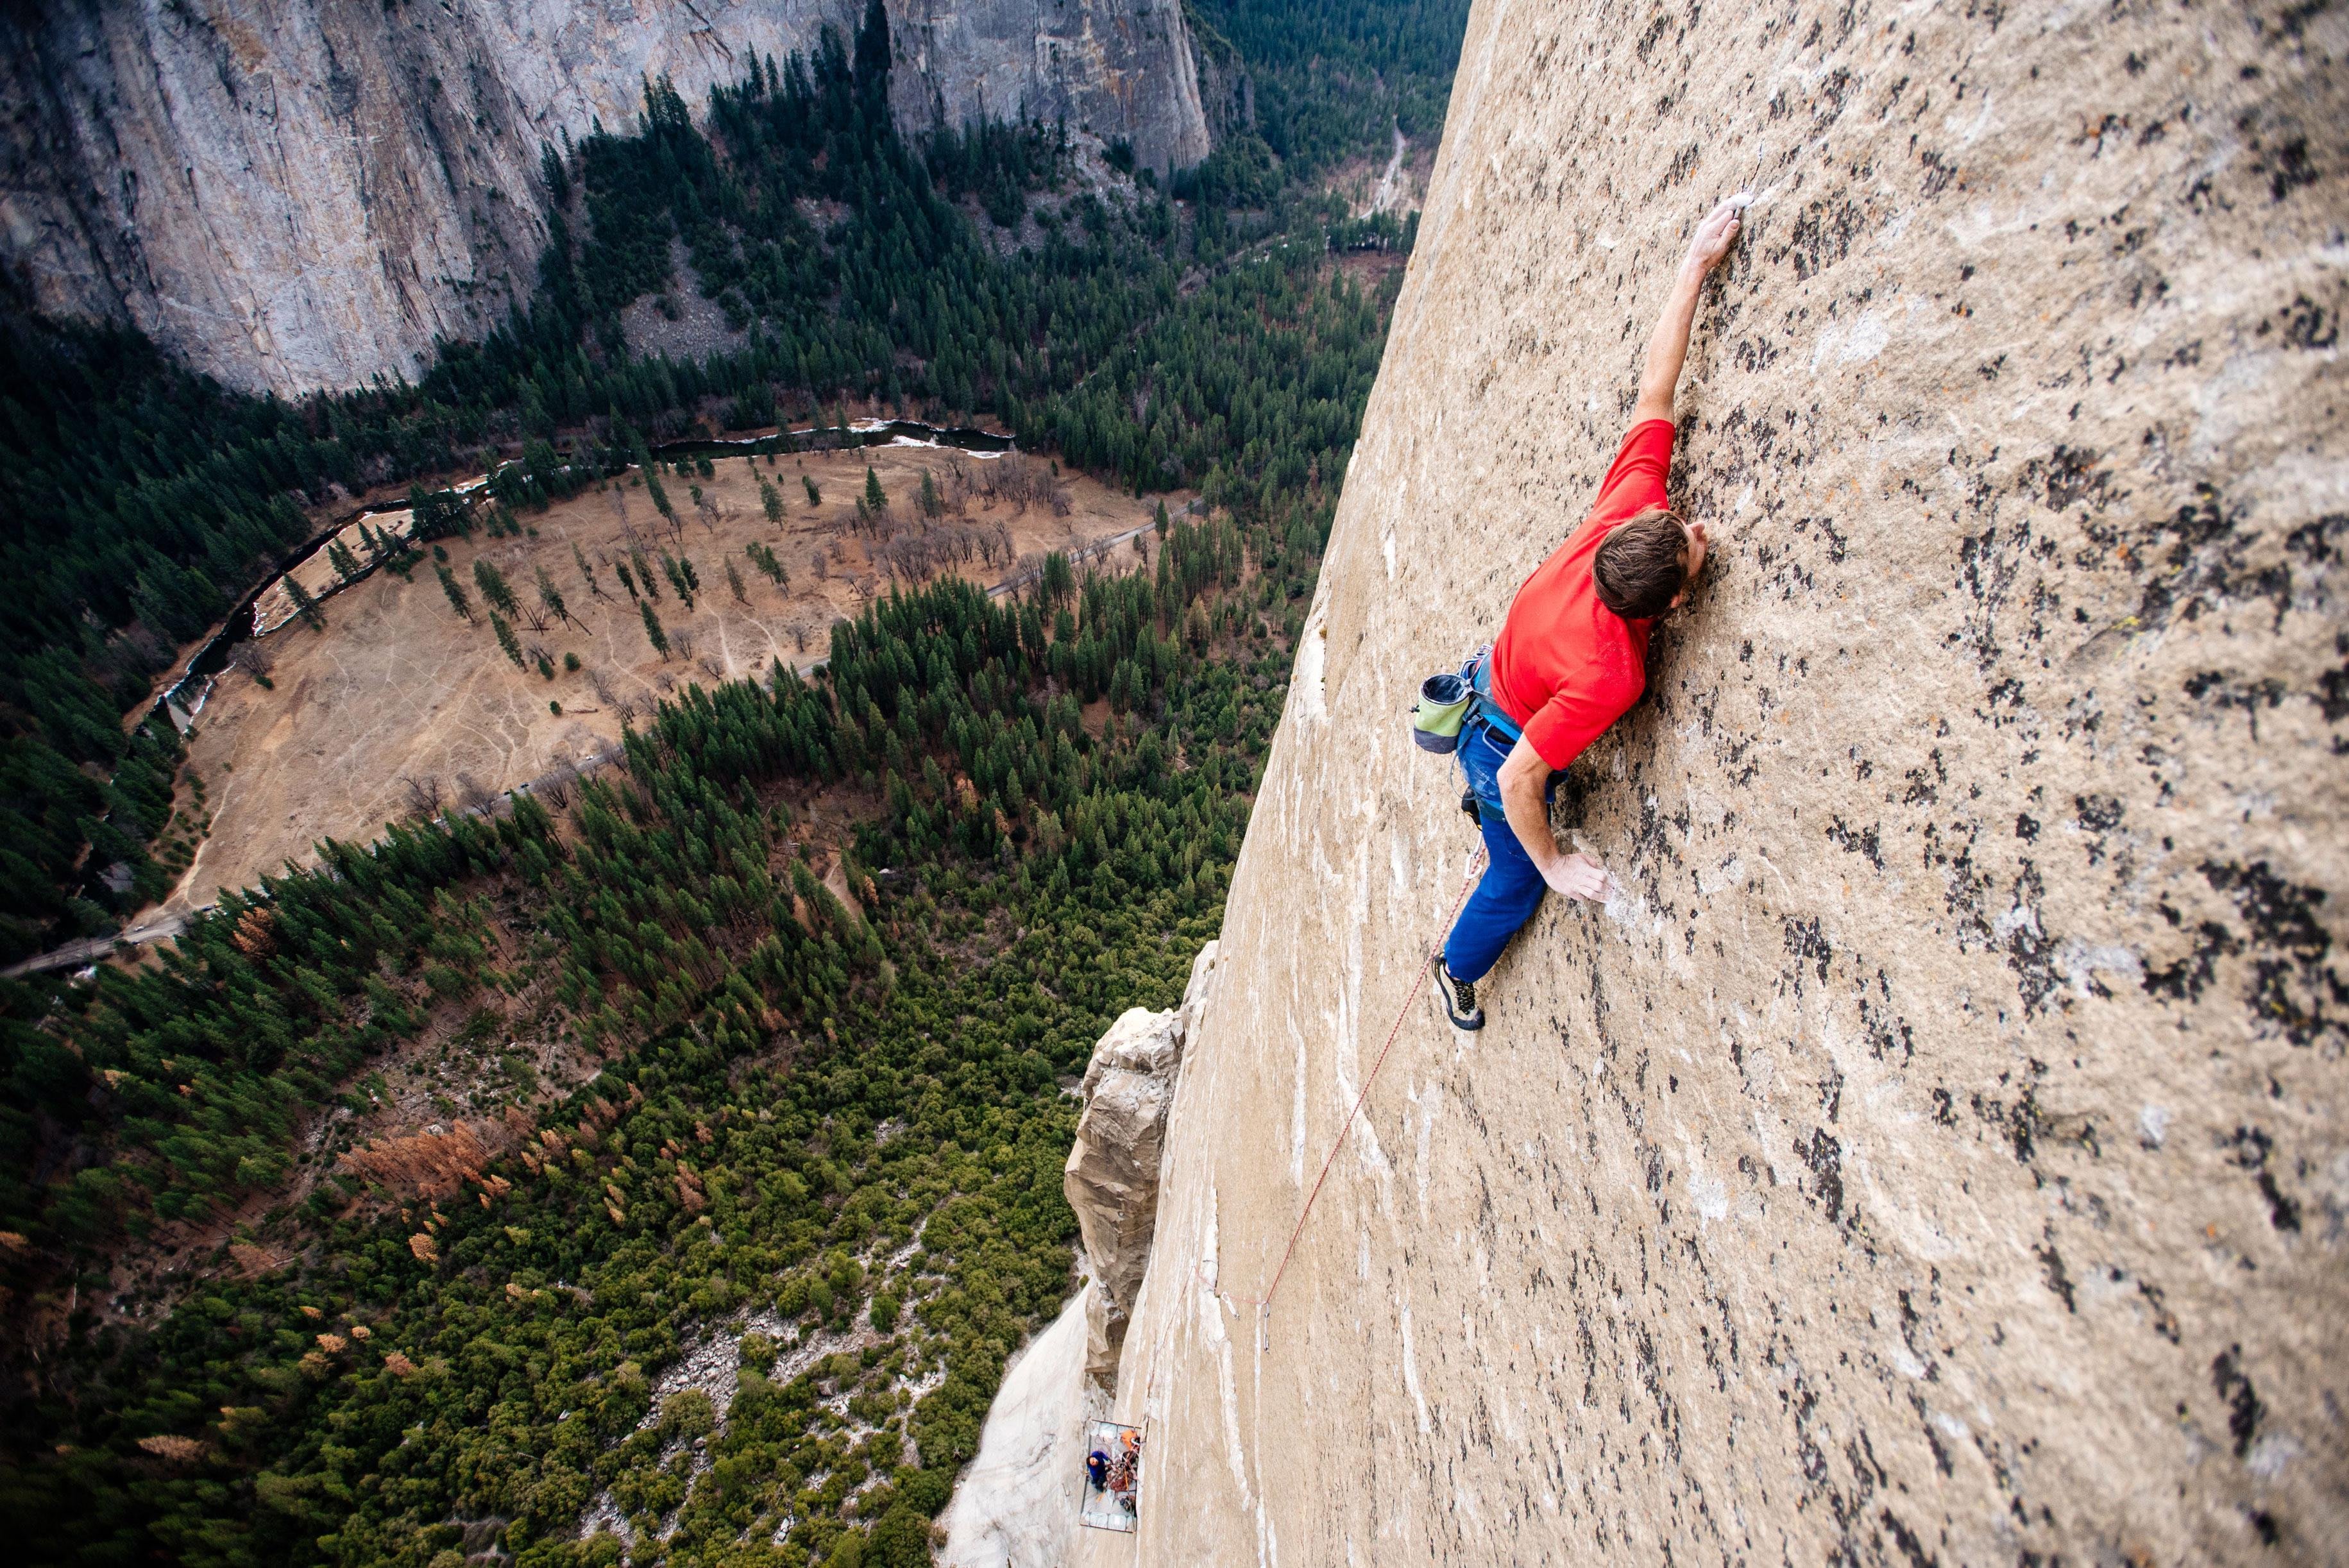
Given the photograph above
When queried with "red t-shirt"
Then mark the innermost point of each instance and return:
(1565, 666)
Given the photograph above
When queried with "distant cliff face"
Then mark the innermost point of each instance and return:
(303, 195)
(1938, 1151)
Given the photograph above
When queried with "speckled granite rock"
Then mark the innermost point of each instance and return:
(1937, 1153)
(298, 195)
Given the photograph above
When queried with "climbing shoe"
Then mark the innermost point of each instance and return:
(1459, 999)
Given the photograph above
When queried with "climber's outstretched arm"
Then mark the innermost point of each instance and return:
(1524, 778)
(1669, 347)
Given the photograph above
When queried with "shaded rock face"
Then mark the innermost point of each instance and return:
(1936, 1150)
(298, 195)
(1122, 69)
(1112, 1170)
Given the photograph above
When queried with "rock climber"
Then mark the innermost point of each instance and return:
(1572, 654)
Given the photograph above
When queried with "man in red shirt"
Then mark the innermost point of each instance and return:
(1572, 655)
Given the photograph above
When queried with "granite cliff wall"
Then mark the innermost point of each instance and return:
(1936, 1152)
(298, 195)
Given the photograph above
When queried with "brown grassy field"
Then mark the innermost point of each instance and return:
(399, 704)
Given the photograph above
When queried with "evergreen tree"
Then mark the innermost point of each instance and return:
(814, 495)
(585, 571)
(305, 605)
(495, 590)
(653, 632)
(552, 596)
(506, 639)
(675, 571)
(455, 591)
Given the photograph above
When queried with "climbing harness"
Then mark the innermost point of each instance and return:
(1263, 1304)
(1488, 712)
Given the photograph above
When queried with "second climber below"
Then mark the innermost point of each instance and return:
(1572, 654)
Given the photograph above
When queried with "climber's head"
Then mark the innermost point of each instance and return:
(1644, 565)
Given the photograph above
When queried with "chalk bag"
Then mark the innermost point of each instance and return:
(1443, 706)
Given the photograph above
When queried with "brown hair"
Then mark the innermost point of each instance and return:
(1642, 564)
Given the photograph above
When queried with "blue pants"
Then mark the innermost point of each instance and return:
(1511, 889)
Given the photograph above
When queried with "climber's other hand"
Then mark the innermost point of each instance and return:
(1578, 876)
(1716, 234)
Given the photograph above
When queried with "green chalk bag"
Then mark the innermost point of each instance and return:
(1443, 707)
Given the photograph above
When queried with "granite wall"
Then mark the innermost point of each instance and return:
(1935, 1153)
(293, 195)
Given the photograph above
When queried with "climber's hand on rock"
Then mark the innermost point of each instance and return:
(1577, 876)
(1716, 234)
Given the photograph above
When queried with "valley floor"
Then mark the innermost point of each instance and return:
(399, 701)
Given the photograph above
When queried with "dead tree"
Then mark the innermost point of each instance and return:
(423, 796)
(557, 785)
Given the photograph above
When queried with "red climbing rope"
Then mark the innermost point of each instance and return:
(1347, 1127)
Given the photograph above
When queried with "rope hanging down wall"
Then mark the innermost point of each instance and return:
(1263, 1304)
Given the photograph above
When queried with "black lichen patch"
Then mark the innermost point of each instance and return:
(1805, 941)
(2097, 813)
(2245, 696)
(2253, 1148)
(1887, 1033)
(2242, 1400)
(1825, 1157)
(2059, 1278)
(1865, 841)
(2310, 325)
(2288, 167)
(2332, 694)
(2205, 552)
(2293, 988)
(2031, 951)
(2184, 980)
(2070, 475)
